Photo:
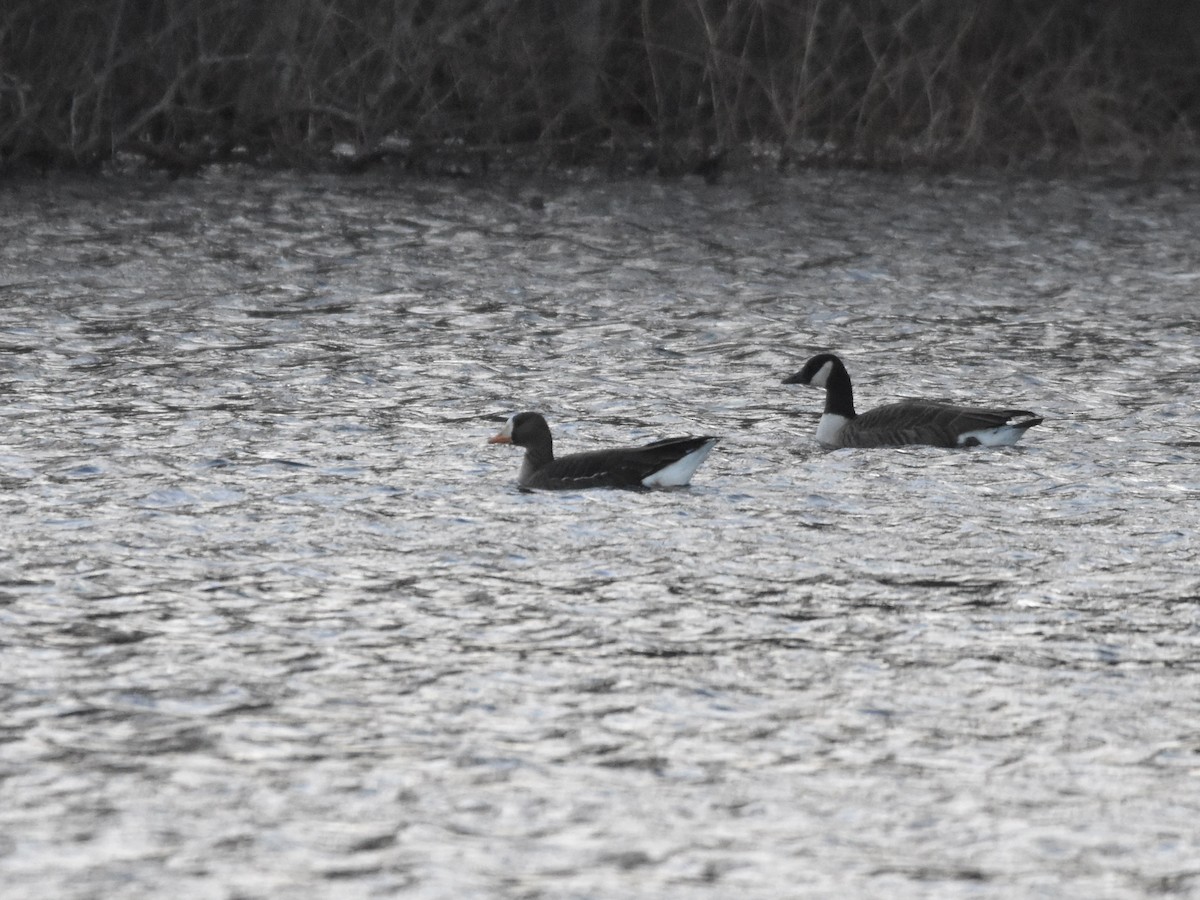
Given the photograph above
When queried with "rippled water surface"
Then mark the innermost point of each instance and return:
(275, 621)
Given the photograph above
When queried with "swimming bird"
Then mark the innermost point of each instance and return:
(666, 463)
(907, 422)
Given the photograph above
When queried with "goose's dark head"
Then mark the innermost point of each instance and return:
(817, 371)
(525, 429)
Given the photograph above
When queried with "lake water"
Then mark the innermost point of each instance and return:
(275, 622)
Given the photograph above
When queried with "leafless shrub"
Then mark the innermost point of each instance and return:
(672, 84)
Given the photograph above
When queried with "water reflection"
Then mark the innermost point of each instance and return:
(277, 621)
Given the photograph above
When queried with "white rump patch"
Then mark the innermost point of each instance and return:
(830, 426)
(679, 472)
(822, 376)
(1004, 436)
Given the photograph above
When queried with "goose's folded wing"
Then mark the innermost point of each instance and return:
(625, 467)
(923, 422)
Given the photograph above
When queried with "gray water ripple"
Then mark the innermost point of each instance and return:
(276, 620)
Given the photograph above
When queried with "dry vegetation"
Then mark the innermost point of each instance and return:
(668, 84)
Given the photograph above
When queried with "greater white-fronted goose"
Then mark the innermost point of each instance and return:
(907, 422)
(665, 463)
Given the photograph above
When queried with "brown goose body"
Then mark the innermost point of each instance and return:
(666, 463)
(909, 422)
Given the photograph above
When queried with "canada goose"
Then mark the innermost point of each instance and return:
(906, 422)
(665, 463)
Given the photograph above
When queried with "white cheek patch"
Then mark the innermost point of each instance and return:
(822, 376)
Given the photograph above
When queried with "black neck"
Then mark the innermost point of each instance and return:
(839, 395)
(535, 437)
(540, 454)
